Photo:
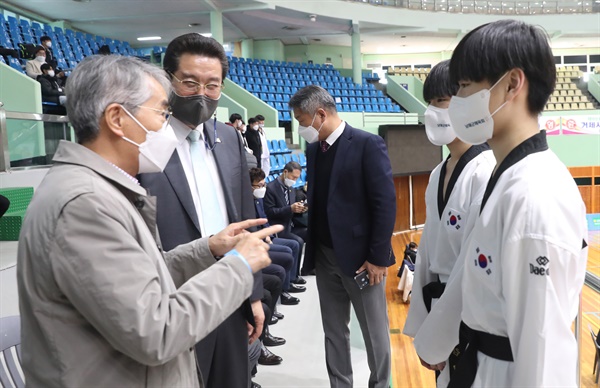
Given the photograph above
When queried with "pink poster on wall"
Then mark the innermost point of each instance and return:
(581, 125)
(551, 124)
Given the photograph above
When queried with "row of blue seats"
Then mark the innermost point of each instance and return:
(280, 160)
(278, 147)
(370, 108)
(257, 70)
(280, 63)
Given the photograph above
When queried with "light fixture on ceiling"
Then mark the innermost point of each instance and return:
(144, 38)
(192, 25)
(313, 18)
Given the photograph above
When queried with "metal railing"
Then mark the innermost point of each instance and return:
(5, 160)
(539, 7)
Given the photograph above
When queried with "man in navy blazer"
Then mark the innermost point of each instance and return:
(197, 66)
(350, 223)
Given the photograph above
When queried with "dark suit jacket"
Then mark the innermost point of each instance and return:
(253, 139)
(50, 89)
(278, 211)
(176, 215)
(361, 205)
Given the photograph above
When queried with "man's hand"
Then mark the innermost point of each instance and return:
(440, 367)
(375, 272)
(254, 249)
(298, 207)
(268, 240)
(225, 240)
(259, 320)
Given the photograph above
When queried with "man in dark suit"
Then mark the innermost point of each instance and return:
(280, 206)
(205, 186)
(353, 207)
(253, 139)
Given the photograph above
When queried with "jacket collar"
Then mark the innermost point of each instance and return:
(76, 154)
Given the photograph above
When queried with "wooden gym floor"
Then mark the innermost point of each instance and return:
(406, 368)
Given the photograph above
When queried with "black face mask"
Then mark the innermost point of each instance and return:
(192, 110)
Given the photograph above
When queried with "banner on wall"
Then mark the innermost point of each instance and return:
(551, 124)
(581, 125)
(570, 125)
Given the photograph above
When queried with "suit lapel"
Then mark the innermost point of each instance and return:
(340, 156)
(176, 176)
(222, 154)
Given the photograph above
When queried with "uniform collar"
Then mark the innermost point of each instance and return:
(536, 143)
(76, 154)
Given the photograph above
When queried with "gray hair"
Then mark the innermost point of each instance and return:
(312, 97)
(101, 80)
(291, 166)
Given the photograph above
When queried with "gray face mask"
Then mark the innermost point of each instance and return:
(193, 110)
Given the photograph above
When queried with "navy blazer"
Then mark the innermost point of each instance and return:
(361, 205)
(278, 211)
(176, 214)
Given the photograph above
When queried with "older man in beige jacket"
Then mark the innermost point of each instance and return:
(101, 303)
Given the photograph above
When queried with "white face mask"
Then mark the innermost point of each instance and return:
(471, 117)
(289, 182)
(48, 44)
(261, 125)
(156, 151)
(310, 133)
(255, 127)
(41, 59)
(51, 73)
(260, 193)
(438, 127)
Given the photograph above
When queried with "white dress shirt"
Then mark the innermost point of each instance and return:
(336, 134)
(183, 150)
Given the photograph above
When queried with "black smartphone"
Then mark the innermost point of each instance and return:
(362, 279)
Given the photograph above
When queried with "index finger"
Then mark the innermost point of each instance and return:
(248, 223)
(263, 233)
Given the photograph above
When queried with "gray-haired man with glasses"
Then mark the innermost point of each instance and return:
(204, 187)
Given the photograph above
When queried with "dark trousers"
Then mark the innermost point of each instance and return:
(299, 239)
(223, 354)
(296, 251)
(282, 256)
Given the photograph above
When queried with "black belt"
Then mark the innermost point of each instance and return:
(491, 345)
(433, 290)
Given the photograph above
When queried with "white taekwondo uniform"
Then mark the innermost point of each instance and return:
(523, 268)
(445, 228)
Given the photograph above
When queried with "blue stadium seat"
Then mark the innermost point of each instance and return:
(302, 158)
(283, 147)
(288, 158)
(368, 108)
(15, 64)
(274, 165)
(280, 161)
(295, 158)
(286, 116)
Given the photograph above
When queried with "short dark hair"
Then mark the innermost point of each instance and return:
(39, 48)
(251, 120)
(256, 174)
(260, 118)
(196, 44)
(491, 50)
(412, 244)
(235, 116)
(45, 67)
(437, 84)
(291, 166)
(45, 38)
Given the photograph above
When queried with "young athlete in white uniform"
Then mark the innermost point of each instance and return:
(454, 186)
(524, 262)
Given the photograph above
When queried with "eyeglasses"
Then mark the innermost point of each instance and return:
(191, 86)
(165, 113)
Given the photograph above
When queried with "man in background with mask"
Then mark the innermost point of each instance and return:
(253, 139)
(352, 213)
(524, 261)
(265, 161)
(33, 67)
(204, 187)
(456, 185)
(101, 303)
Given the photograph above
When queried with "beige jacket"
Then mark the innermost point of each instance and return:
(100, 304)
(33, 68)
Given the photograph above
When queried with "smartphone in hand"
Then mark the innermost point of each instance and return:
(362, 279)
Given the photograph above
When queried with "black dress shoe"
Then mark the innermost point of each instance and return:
(299, 280)
(273, 320)
(268, 358)
(287, 299)
(278, 315)
(296, 289)
(271, 340)
(255, 385)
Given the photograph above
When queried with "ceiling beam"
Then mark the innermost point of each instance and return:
(140, 16)
(299, 22)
